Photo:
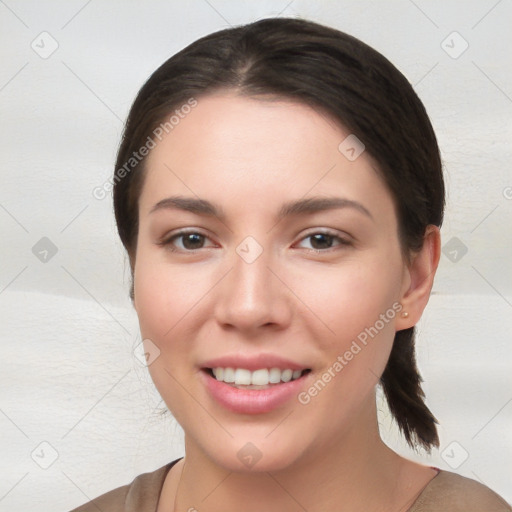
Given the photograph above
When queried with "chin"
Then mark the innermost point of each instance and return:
(259, 455)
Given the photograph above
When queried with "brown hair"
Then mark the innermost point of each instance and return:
(337, 74)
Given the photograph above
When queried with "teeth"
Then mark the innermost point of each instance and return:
(262, 377)
(259, 378)
(229, 375)
(286, 376)
(242, 377)
(274, 376)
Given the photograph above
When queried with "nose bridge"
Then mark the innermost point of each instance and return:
(249, 297)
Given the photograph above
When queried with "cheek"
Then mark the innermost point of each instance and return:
(169, 301)
(164, 301)
(353, 358)
(358, 303)
(151, 301)
(352, 296)
(163, 295)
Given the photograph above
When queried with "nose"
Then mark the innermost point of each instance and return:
(251, 299)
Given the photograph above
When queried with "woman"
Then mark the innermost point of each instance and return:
(279, 192)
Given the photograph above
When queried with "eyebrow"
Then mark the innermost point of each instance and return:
(300, 207)
(189, 204)
(318, 204)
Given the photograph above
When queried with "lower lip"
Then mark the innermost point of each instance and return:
(252, 401)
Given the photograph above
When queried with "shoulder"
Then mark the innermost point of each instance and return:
(451, 492)
(140, 495)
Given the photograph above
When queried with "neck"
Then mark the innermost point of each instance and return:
(355, 471)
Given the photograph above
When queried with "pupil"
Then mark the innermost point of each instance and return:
(321, 241)
(192, 241)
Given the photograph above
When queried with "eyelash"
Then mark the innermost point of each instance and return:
(168, 242)
(341, 242)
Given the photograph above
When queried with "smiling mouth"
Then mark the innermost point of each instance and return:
(263, 378)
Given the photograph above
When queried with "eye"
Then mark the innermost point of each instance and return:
(187, 241)
(321, 241)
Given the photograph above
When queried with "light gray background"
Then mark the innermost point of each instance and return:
(68, 375)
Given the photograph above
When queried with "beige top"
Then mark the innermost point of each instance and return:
(446, 492)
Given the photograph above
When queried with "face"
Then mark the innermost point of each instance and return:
(265, 254)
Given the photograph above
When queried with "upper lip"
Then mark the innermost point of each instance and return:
(253, 362)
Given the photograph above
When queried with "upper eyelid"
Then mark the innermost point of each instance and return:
(170, 237)
(311, 231)
(327, 231)
(186, 231)
(345, 239)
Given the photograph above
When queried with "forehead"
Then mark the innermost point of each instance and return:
(230, 146)
(227, 123)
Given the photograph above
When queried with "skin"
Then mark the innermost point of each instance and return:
(303, 300)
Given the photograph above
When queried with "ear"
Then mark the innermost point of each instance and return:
(419, 278)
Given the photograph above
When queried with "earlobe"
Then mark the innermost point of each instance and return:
(421, 272)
